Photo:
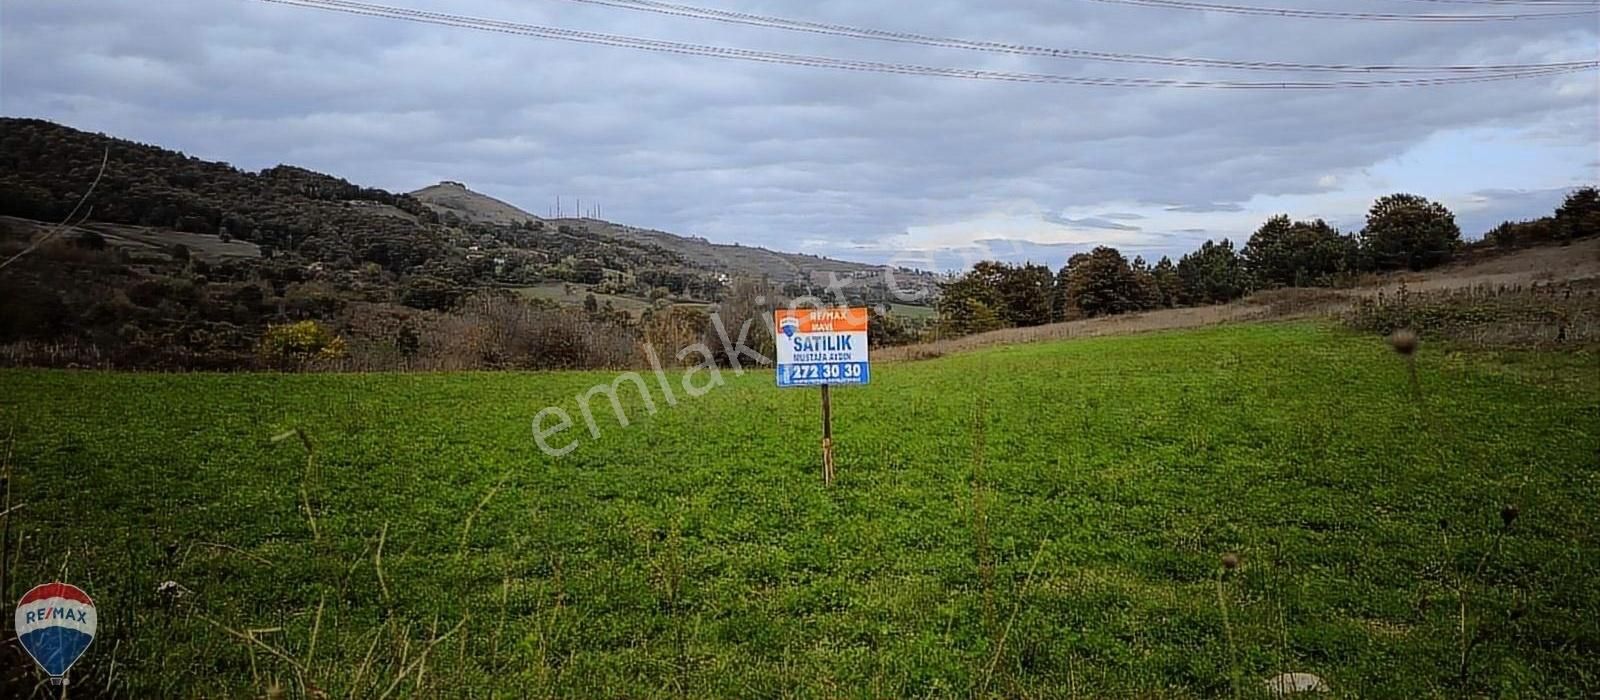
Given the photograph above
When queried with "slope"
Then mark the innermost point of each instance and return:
(450, 197)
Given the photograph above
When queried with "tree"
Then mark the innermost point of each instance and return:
(749, 301)
(1408, 231)
(971, 303)
(1025, 292)
(588, 271)
(886, 329)
(1298, 254)
(1212, 274)
(1579, 214)
(1102, 283)
(1061, 307)
(1167, 283)
(590, 304)
(1149, 296)
(964, 315)
(429, 293)
(1019, 295)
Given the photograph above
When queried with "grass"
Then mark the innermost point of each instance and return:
(925, 313)
(1057, 534)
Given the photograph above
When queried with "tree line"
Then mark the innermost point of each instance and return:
(1401, 232)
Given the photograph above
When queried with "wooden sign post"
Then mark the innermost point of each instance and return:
(827, 437)
(822, 347)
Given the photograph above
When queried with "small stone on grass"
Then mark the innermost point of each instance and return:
(1289, 683)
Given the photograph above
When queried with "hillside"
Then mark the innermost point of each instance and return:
(454, 198)
(176, 261)
(300, 214)
(733, 259)
(450, 197)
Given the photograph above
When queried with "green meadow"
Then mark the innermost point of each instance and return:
(1039, 521)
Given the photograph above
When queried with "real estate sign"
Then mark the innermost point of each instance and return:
(821, 346)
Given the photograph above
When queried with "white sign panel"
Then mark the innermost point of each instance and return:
(821, 346)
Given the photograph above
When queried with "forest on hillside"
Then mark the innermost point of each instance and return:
(133, 259)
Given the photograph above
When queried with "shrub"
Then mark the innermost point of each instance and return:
(499, 330)
(295, 345)
(91, 240)
(672, 329)
(1497, 316)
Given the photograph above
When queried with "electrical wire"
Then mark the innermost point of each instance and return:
(463, 22)
(1517, 3)
(1362, 16)
(795, 25)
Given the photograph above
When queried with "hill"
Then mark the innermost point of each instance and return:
(797, 269)
(1032, 521)
(450, 197)
(172, 256)
(739, 259)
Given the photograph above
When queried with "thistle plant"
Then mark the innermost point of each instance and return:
(1405, 342)
(1230, 563)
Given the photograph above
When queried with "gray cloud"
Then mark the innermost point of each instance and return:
(1206, 208)
(1089, 222)
(1488, 208)
(779, 156)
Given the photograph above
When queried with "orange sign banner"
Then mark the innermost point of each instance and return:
(851, 320)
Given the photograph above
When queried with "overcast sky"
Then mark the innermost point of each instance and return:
(853, 165)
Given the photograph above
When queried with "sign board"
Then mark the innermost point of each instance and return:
(821, 346)
(55, 623)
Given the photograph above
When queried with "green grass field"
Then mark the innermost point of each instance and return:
(923, 313)
(1032, 521)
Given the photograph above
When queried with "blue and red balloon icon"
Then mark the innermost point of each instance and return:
(55, 623)
(789, 326)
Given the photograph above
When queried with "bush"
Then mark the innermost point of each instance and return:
(672, 329)
(1499, 316)
(499, 330)
(296, 345)
(91, 240)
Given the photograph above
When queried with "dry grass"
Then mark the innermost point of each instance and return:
(1541, 265)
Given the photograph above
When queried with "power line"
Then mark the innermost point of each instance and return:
(1363, 16)
(463, 22)
(796, 25)
(1516, 3)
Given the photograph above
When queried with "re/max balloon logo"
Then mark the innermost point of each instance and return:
(55, 623)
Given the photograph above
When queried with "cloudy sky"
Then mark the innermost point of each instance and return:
(867, 166)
